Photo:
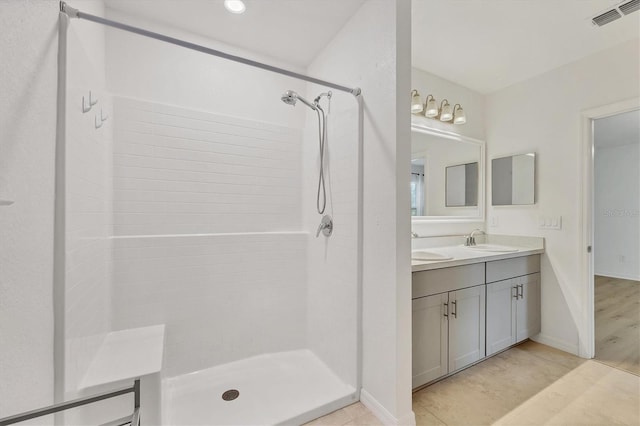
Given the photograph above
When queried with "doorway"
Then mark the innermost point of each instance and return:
(616, 240)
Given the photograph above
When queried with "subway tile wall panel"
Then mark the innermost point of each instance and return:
(222, 297)
(180, 171)
(207, 233)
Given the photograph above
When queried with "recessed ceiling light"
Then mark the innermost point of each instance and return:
(235, 6)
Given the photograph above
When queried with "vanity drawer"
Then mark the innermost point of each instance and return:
(499, 270)
(436, 281)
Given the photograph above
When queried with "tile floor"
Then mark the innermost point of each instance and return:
(531, 384)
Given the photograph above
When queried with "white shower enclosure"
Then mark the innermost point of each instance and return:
(187, 196)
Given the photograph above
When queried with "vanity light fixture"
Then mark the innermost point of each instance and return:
(430, 109)
(416, 102)
(446, 114)
(458, 115)
(235, 6)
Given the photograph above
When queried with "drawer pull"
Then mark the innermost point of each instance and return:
(515, 296)
(446, 310)
(454, 311)
(521, 291)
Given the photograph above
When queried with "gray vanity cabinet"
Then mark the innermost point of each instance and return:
(528, 321)
(430, 337)
(448, 328)
(466, 327)
(513, 301)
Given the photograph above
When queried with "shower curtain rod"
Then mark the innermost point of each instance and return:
(75, 13)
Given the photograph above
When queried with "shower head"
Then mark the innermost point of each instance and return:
(290, 98)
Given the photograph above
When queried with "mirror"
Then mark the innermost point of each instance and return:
(513, 180)
(447, 175)
(462, 185)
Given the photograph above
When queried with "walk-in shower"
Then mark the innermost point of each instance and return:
(204, 207)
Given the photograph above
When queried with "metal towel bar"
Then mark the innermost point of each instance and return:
(133, 419)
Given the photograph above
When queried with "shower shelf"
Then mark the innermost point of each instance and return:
(126, 354)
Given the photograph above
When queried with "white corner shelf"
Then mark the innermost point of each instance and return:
(126, 354)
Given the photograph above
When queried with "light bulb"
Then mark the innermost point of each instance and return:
(235, 6)
(432, 107)
(416, 102)
(459, 116)
(445, 111)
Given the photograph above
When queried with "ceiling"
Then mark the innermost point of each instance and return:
(487, 45)
(618, 130)
(292, 31)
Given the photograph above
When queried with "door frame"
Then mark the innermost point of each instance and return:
(586, 179)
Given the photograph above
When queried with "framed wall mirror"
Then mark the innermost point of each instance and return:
(513, 180)
(447, 175)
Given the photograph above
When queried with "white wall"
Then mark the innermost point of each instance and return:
(617, 211)
(27, 146)
(543, 115)
(381, 69)
(471, 101)
(139, 67)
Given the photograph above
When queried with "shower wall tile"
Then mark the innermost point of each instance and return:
(181, 171)
(222, 297)
(332, 274)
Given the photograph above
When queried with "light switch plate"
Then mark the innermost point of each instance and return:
(550, 222)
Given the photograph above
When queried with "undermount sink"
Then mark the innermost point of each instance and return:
(428, 255)
(493, 248)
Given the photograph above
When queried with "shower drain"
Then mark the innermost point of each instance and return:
(230, 395)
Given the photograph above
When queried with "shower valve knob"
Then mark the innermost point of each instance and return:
(326, 226)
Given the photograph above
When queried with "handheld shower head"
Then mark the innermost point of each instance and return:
(290, 98)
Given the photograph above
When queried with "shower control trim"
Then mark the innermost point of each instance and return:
(326, 226)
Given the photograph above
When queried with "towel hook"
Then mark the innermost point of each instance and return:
(86, 106)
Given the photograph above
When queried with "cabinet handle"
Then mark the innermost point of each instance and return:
(515, 296)
(446, 310)
(454, 311)
(521, 291)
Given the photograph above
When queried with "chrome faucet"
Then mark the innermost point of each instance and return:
(470, 239)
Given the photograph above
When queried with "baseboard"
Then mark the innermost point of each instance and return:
(383, 414)
(557, 343)
(619, 276)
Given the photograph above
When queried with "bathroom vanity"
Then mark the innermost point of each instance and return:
(471, 305)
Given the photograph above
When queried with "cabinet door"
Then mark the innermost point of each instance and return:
(466, 326)
(501, 315)
(528, 307)
(429, 335)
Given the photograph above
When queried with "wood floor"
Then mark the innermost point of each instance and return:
(617, 305)
(531, 384)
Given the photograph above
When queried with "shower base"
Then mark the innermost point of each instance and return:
(278, 388)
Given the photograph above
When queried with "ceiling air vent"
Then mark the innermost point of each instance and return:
(606, 17)
(630, 7)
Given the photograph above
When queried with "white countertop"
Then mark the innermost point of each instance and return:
(462, 255)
